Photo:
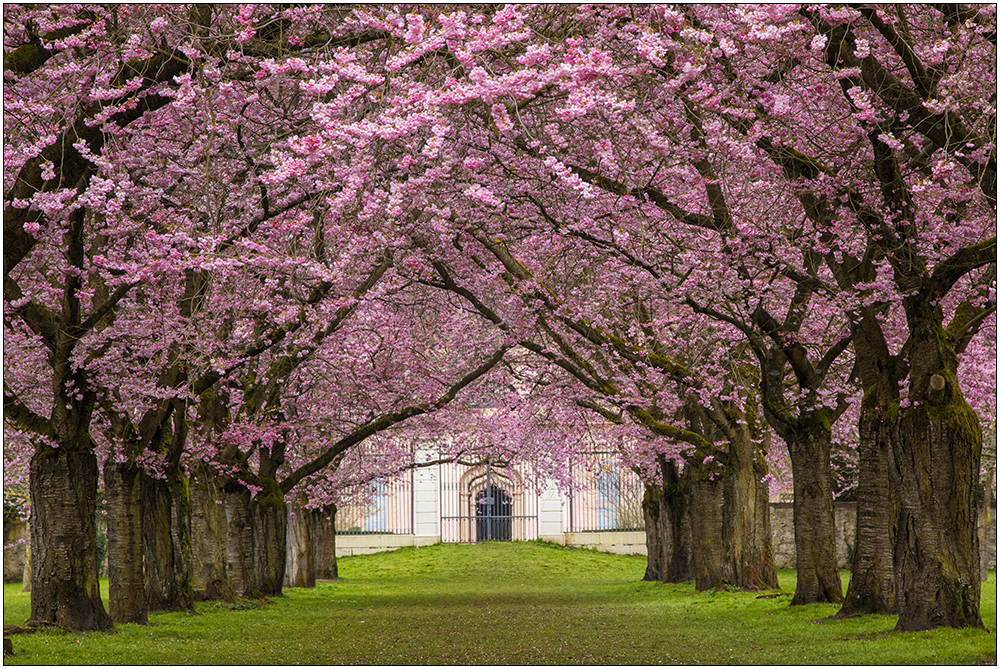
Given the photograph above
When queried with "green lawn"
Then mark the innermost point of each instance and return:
(509, 603)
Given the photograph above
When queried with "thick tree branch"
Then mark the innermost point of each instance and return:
(20, 416)
(960, 263)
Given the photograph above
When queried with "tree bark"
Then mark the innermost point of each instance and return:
(300, 557)
(325, 539)
(656, 534)
(65, 590)
(748, 557)
(208, 538)
(167, 532)
(26, 579)
(271, 516)
(817, 576)
(706, 524)
(935, 450)
(872, 588)
(126, 573)
(255, 541)
(239, 543)
(936, 453)
(668, 527)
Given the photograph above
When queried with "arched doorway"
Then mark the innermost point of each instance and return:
(493, 514)
(467, 514)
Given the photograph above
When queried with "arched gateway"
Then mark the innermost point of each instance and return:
(486, 503)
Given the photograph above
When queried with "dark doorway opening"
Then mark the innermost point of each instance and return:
(493, 515)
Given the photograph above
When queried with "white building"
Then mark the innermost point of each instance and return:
(461, 503)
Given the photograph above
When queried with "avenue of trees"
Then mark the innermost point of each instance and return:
(241, 242)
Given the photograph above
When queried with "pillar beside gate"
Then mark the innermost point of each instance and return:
(550, 514)
(426, 502)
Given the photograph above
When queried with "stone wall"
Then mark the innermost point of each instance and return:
(627, 543)
(783, 535)
(15, 551)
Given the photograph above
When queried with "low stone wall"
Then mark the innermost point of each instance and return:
(360, 544)
(845, 515)
(622, 543)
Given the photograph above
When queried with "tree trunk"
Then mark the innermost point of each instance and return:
(935, 450)
(748, 558)
(255, 541)
(680, 568)
(65, 589)
(872, 588)
(668, 527)
(300, 565)
(239, 544)
(167, 532)
(817, 576)
(706, 525)
(271, 515)
(936, 453)
(208, 537)
(657, 538)
(984, 526)
(126, 574)
(325, 541)
(26, 579)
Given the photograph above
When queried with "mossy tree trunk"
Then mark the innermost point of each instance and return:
(300, 557)
(123, 479)
(656, 534)
(255, 543)
(26, 578)
(668, 527)
(936, 447)
(730, 513)
(748, 560)
(167, 531)
(240, 542)
(63, 491)
(675, 512)
(707, 548)
(126, 551)
(167, 521)
(270, 514)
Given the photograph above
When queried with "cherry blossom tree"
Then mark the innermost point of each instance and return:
(889, 279)
(64, 115)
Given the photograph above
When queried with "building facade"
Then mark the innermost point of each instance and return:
(467, 503)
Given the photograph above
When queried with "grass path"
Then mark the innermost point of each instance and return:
(510, 603)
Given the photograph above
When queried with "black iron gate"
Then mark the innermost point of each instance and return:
(486, 503)
(493, 514)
